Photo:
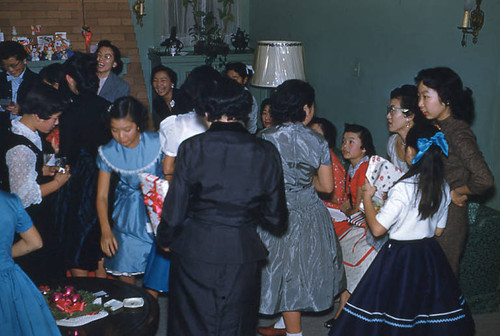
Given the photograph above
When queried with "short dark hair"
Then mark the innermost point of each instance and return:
(82, 68)
(53, 73)
(451, 91)
(229, 99)
(10, 49)
(365, 136)
(240, 68)
(289, 99)
(429, 170)
(170, 73)
(44, 101)
(199, 85)
(265, 102)
(116, 54)
(329, 130)
(129, 107)
(408, 94)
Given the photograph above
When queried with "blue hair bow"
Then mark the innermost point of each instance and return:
(424, 144)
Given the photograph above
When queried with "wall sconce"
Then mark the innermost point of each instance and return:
(476, 20)
(139, 9)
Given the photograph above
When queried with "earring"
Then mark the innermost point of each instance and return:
(173, 86)
(407, 123)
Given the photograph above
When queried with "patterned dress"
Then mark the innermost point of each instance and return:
(304, 271)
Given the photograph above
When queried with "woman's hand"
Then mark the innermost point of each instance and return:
(108, 243)
(458, 198)
(368, 190)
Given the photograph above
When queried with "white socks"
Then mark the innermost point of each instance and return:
(280, 324)
(297, 334)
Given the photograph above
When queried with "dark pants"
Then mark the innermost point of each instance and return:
(452, 240)
(212, 299)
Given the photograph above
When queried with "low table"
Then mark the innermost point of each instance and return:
(125, 321)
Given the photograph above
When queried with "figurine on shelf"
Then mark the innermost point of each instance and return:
(35, 55)
(64, 55)
(49, 53)
(172, 44)
(239, 40)
(14, 33)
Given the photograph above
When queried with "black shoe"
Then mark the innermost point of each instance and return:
(330, 323)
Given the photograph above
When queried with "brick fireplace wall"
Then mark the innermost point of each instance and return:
(107, 19)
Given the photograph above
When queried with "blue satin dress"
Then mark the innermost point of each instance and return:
(130, 217)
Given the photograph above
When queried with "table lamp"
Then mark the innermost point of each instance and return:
(277, 61)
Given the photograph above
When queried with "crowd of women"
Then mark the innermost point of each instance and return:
(251, 223)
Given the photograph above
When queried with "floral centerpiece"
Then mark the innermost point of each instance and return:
(67, 302)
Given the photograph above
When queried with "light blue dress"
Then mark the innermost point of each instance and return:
(23, 310)
(304, 271)
(129, 212)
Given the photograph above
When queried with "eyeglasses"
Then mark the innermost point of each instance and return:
(106, 56)
(393, 109)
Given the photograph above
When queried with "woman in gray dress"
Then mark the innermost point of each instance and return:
(305, 270)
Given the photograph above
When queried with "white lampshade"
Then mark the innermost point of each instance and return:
(277, 61)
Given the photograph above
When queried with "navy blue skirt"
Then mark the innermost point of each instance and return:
(409, 289)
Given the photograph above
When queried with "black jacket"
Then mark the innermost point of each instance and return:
(226, 182)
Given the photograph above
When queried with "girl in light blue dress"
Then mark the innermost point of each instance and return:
(127, 242)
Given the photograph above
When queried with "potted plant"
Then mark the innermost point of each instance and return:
(206, 32)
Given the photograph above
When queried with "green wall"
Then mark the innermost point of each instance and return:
(392, 40)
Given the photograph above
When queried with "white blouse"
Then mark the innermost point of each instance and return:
(22, 167)
(399, 214)
(177, 128)
(393, 156)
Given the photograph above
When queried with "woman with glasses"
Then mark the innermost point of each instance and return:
(402, 113)
(109, 66)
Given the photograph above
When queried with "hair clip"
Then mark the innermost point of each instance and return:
(424, 144)
(110, 107)
(250, 70)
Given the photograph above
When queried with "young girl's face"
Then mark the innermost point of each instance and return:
(351, 147)
(162, 84)
(236, 76)
(267, 120)
(430, 103)
(125, 132)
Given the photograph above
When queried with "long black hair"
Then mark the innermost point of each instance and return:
(429, 170)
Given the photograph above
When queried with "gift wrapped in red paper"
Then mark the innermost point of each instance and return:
(154, 190)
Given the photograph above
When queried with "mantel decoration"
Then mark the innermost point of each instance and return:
(239, 40)
(44, 47)
(172, 44)
(206, 32)
(472, 22)
(277, 61)
(86, 33)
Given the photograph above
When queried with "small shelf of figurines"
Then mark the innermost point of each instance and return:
(44, 47)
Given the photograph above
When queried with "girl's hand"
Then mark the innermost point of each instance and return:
(49, 170)
(108, 243)
(458, 198)
(345, 207)
(62, 177)
(368, 190)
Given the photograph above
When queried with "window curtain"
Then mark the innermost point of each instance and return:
(177, 15)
